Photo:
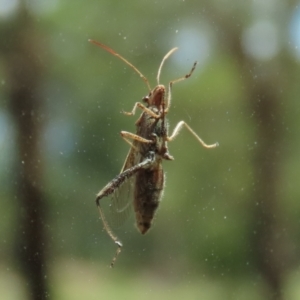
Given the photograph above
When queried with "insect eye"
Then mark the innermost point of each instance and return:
(146, 99)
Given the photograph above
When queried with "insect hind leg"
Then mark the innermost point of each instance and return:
(110, 233)
(179, 126)
(111, 187)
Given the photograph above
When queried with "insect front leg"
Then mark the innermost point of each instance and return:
(142, 107)
(113, 186)
(179, 127)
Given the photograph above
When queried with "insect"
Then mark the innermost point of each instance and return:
(141, 180)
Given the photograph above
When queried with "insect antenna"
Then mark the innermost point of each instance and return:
(163, 61)
(186, 76)
(111, 51)
(110, 233)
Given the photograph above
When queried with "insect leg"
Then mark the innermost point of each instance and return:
(142, 107)
(111, 187)
(128, 135)
(110, 233)
(168, 104)
(179, 127)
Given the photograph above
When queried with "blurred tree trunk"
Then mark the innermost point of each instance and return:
(263, 83)
(19, 45)
(264, 96)
(268, 239)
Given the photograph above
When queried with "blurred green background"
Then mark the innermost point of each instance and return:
(228, 224)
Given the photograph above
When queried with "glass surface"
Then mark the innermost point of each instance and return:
(228, 223)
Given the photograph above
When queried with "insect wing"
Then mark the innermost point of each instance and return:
(120, 202)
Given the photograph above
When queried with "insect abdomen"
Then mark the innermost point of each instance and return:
(148, 191)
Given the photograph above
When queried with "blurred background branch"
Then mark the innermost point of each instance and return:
(24, 71)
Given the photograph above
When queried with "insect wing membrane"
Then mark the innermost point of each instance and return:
(120, 202)
(120, 205)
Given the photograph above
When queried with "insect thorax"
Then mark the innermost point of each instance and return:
(155, 129)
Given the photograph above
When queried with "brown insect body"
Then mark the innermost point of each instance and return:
(149, 182)
(141, 180)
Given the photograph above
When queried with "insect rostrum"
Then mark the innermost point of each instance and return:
(141, 180)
